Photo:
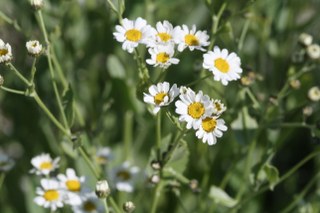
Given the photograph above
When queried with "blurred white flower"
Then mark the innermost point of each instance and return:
(225, 67)
(210, 129)
(43, 164)
(161, 95)
(34, 47)
(190, 38)
(162, 56)
(104, 155)
(132, 33)
(49, 194)
(305, 39)
(314, 93)
(90, 204)
(73, 185)
(313, 51)
(6, 163)
(5, 52)
(124, 177)
(193, 107)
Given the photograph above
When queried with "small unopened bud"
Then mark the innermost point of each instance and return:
(1, 80)
(102, 189)
(34, 48)
(307, 111)
(156, 165)
(155, 179)
(295, 84)
(128, 207)
(194, 186)
(314, 94)
(305, 39)
(313, 51)
(37, 4)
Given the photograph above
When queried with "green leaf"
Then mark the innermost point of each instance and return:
(67, 101)
(179, 158)
(220, 197)
(272, 174)
(115, 67)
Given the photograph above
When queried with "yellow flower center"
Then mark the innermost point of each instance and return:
(89, 206)
(3, 52)
(51, 195)
(162, 57)
(196, 110)
(123, 175)
(34, 44)
(73, 185)
(164, 36)
(46, 165)
(218, 106)
(133, 35)
(191, 40)
(209, 124)
(158, 98)
(222, 65)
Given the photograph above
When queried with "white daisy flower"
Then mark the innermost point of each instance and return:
(49, 195)
(193, 108)
(162, 56)
(44, 164)
(218, 107)
(132, 33)
(104, 155)
(124, 177)
(5, 52)
(224, 66)
(164, 33)
(6, 163)
(161, 95)
(210, 129)
(73, 186)
(192, 38)
(34, 47)
(90, 204)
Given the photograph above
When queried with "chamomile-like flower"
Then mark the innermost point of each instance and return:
(193, 107)
(44, 164)
(49, 194)
(164, 33)
(190, 38)
(162, 56)
(124, 177)
(225, 67)
(132, 33)
(73, 186)
(161, 95)
(218, 107)
(90, 204)
(5, 52)
(104, 155)
(34, 47)
(210, 129)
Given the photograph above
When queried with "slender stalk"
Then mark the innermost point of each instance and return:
(19, 92)
(256, 103)
(85, 156)
(216, 20)
(199, 80)
(59, 70)
(17, 73)
(10, 21)
(114, 205)
(33, 70)
(158, 135)
(243, 34)
(105, 203)
(297, 124)
(49, 58)
(127, 134)
(113, 8)
(156, 196)
(177, 175)
(2, 176)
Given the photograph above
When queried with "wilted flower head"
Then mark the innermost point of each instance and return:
(314, 93)
(161, 95)
(34, 47)
(313, 51)
(44, 164)
(5, 52)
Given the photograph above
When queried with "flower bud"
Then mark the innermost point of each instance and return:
(313, 51)
(156, 165)
(1, 80)
(129, 207)
(155, 179)
(102, 189)
(305, 39)
(37, 4)
(314, 93)
(307, 111)
(34, 48)
(295, 84)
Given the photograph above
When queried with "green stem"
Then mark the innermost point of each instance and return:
(158, 135)
(53, 80)
(243, 34)
(10, 21)
(22, 78)
(301, 194)
(59, 70)
(156, 196)
(113, 8)
(177, 175)
(105, 205)
(2, 176)
(86, 157)
(19, 92)
(198, 80)
(33, 70)
(216, 20)
(114, 205)
(256, 103)
(127, 134)
(297, 124)
(284, 177)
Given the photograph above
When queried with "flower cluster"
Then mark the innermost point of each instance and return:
(199, 111)
(57, 190)
(164, 39)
